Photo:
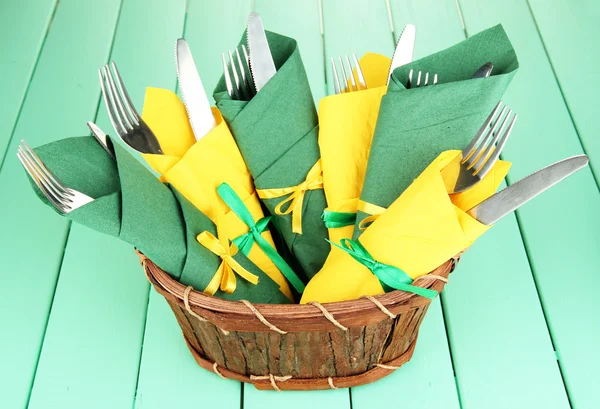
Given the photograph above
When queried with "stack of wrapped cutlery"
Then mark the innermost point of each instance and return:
(262, 198)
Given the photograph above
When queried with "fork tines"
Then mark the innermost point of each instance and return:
(238, 77)
(126, 120)
(61, 197)
(410, 83)
(484, 149)
(349, 83)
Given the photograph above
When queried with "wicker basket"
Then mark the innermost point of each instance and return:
(299, 347)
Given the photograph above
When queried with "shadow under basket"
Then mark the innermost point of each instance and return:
(299, 347)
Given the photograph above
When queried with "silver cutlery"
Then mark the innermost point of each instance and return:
(357, 83)
(262, 65)
(63, 198)
(128, 123)
(196, 102)
(102, 139)
(484, 71)
(403, 54)
(514, 196)
(238, 79)
(418, 83)
(483, 151)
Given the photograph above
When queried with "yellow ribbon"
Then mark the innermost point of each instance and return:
(224, 277)
(314, 180)
(374, 210)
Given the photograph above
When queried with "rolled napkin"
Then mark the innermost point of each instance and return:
(415, 125)
(131, 204)
(197, 168)
(421, 230)
(276, 132)
(346, 126)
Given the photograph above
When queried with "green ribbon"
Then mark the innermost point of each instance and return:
(247, 240)
(389, 275)
(334, 220)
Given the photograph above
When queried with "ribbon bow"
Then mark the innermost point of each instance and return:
(373, 210)
(224, 276)
(247, 240)
(314, 180)
(389, 275)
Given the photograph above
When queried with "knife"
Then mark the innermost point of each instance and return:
(262, 65)
(102, 139)
(194, 96)
(502, 203)
(403, 54)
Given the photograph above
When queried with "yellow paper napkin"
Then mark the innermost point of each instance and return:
(420, 231)
(197, 169)
(346, 126)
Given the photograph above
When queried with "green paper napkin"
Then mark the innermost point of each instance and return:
(415, 125)
(277, 135)
(133, 205)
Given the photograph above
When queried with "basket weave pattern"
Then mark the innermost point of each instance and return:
(299, 347)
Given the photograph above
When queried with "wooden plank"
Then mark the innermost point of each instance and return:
(560, 236)
(479, 364)
(23, 27)
(426, 381)
(169, 376)
(63, 92)
(570, 34)
(301, 21)
(94, 333)
(498, 335)
(99, 309)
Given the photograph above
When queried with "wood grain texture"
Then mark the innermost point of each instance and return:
(63, 88)
(570, 34)
(104, 352)
(310, 352)
(561, 228)
(23, 27)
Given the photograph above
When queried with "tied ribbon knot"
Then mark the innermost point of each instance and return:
(254, 235)
(335, 220)
(295, 200)
(390, 276)
(224, 277)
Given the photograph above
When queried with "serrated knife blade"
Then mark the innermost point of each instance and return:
(514, 196)
(196, 102)
(403, 54)
(262, 65)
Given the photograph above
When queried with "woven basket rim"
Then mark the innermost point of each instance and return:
(351, 311)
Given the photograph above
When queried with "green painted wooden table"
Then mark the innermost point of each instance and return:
(517, 327)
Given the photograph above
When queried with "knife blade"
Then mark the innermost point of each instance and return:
(403, 54)
(196, 102)
(514, 196)
(262, 65)
(102, 139)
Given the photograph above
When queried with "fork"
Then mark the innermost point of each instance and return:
(482, 152)
(418, 84)
(126, 120)
(239, 82)
(357, 84)
(64, 199)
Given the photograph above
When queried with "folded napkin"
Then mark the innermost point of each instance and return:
(421, 230)
(197, 168)
(346, 126)
(276, 132)
(415, 125)
(131, 204)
